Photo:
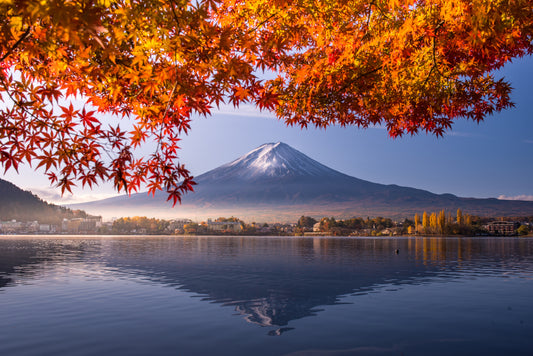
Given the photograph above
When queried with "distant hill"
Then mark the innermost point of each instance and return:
(275, 182)
(23, 205)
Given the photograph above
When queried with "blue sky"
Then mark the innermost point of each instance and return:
(489, 159)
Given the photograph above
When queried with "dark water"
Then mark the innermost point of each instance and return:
(265, 296)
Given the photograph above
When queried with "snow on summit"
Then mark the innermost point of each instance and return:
(275, 182)
(272, 160)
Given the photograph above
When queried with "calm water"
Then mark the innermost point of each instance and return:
(265, 296)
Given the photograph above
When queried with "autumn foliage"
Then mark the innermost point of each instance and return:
(409, 65)
(86, 85)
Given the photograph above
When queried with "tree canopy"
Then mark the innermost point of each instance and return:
(67, 66)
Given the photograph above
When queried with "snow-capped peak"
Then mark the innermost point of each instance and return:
(272, 160)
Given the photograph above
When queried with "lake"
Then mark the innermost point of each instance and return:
(168, 295)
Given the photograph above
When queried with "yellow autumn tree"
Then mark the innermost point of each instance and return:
(425, 221)
(433, 221)
(417, 221)
(441, 221)
(459, 217)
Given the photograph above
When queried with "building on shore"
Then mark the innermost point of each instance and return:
(26, 227)
(231, 226)
(12, 226)
(81, 225)
(502, 228)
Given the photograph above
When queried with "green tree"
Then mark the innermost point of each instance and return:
(306, 222)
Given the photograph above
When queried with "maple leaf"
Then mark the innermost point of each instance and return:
(408, 65)
(65, 185)
(87, 118)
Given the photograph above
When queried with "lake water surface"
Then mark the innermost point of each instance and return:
(265, 296)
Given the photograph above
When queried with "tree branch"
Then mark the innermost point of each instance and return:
(164, 115)
(263, 22)
(15, 45)
(176, 18)
(435, 65)
(362, 75)
(43, 122)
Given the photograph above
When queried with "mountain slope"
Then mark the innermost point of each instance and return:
(275, 181)
(271, 160)
(23, 205)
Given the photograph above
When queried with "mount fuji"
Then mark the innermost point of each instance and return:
(276, 182)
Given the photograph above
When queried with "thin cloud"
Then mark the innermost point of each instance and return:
(465, 134)
(52, 196)
(516, 197)
(459, 134)
(528, 141)
(242, 110)
(249, 110)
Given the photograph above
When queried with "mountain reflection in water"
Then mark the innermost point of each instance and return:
(270, 281)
